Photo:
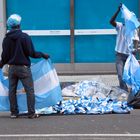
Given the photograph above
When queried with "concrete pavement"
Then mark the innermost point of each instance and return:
(74, 127)
(109, 80)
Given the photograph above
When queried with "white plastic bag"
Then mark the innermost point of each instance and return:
(130, 70)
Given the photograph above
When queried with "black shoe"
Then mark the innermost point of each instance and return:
(33, 116)
(14, 116)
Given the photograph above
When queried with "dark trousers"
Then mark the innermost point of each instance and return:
(120, 62)
(22, 73)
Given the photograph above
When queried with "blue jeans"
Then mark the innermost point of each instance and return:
(120, 62)
(22, 73)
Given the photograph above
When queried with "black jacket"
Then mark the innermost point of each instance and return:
(17, 48)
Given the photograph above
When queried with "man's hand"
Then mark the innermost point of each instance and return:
(1, 65)
(113, 19)
(46, 56)
(120, 6)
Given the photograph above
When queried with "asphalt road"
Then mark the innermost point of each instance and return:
(67, 127)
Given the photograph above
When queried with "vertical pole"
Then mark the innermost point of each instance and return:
(72, 31)
(2, 21)
(139, 9)
(3, 29)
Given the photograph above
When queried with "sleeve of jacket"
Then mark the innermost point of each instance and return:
(29, 48)
(4, 55)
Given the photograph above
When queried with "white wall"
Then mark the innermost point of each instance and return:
(2, 22)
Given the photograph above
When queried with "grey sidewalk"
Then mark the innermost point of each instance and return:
(109, 80)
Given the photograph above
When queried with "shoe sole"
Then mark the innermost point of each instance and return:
(34, 117)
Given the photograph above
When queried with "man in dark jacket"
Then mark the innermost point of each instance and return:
(17, 50)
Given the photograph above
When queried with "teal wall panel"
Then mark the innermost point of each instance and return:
(94, 14)
(45, 15)
(55, 14)
(95, 49)
(41, 14)
(57, 47)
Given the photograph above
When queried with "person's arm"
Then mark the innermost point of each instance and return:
(136, 41)
(113, 19)
(30, 51)
(1, 64)
(4, 54)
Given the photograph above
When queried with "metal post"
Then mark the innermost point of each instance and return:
(2, 28)
(139, 9)
(2, 21)
(72, 30)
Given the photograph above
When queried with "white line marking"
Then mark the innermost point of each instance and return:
(95, 32)
(71, 135)
(67, 32)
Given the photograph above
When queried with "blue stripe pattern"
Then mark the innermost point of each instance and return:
(49, 98)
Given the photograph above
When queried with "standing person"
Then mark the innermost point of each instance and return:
(121, 49)
(17, 48)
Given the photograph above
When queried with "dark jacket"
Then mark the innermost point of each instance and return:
(17, 48)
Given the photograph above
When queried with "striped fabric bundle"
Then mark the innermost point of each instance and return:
(46, 85)
(131, 25)
(131, 21)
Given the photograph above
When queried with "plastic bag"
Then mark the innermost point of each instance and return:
(131, 71)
